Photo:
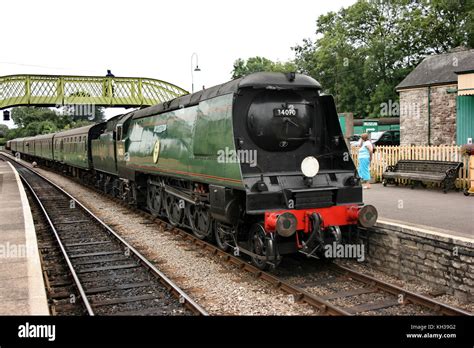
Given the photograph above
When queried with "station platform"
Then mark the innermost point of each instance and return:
(429, 209)
(22, 290)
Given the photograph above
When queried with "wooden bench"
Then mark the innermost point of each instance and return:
(419, 172)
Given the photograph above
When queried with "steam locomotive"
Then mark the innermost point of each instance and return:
(258, 165)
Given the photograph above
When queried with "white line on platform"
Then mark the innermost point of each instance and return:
(427, 230)
(37, 299)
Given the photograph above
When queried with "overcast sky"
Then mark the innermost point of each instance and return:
(152, 38)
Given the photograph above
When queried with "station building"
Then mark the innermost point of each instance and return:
(437, 100)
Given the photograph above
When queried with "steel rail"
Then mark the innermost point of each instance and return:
(77, 282)
(175, 290)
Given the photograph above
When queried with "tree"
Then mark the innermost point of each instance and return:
(363, 51)
(38, 120)
(23, 116)
(258, 64)
(3, 133)
(3, 130)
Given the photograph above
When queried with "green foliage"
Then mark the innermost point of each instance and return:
(23, 116)
(258, 64)
(3, 130)
(36, 120)
(362, 52)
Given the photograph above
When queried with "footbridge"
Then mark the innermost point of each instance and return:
(58, 90)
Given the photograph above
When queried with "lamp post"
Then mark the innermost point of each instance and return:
(193, 69)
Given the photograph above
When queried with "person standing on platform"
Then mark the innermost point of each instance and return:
(366, 151)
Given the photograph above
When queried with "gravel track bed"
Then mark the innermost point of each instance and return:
(80, 268)
(157, 291)
(116, 273)
(408, 309)
(116, 281)
(92, 248)
(155, 307)
(220, 288)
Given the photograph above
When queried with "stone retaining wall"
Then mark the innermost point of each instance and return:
(439, 260)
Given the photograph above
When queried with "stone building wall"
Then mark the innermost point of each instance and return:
(414, 116)
(443, 116)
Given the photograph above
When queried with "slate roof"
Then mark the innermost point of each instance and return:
(439, 69)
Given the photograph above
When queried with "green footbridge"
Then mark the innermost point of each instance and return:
(58, 90)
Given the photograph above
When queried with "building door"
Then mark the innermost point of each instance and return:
(465, 119)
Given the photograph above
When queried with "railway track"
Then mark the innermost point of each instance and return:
(360, 294)
(368, 295)
(383, 295)
(59, 283)
(109, 277)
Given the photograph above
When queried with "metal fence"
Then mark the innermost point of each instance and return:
(389, 155)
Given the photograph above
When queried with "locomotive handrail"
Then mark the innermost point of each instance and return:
(58, 90)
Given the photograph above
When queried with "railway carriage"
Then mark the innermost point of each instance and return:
(14, 145)
(72, 147)
(29, 146)
(44, 146)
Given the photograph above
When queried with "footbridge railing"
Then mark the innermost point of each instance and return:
(57, 90)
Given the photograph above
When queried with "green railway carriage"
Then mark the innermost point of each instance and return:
(72, 147)
(44, 146)
(29, 146)
(15, 145)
